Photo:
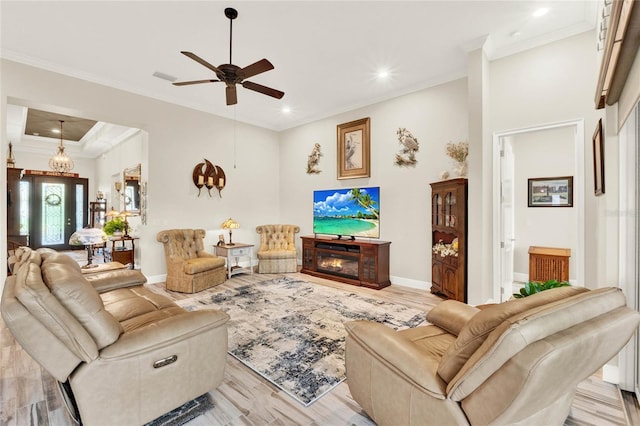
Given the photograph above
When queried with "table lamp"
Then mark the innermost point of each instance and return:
(230, 224)
(88, 237)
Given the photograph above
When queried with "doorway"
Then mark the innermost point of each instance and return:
(53, 208)
(508, 197)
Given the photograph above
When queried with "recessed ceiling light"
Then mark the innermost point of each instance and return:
(540, 12)
(286, 110)
(55, 130)
(383, 74)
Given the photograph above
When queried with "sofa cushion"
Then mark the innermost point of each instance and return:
(202, 264)
(110, 280)
(474, 333)
(137, 307)
(73, 291)
(277, 254)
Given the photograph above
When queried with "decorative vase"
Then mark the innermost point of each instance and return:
(461, 169)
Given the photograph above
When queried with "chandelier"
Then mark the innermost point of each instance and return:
(60, 162)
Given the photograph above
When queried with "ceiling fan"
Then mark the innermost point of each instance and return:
(232, 74)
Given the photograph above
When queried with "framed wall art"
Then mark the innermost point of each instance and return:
(598, 159)
(354, 149)
(551, 192)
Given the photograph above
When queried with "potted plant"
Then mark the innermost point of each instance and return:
(114, 226)
(533, 287)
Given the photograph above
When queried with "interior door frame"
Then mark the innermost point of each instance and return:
(578, 196)
(628, 374)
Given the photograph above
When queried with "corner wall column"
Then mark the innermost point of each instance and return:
(480, 202)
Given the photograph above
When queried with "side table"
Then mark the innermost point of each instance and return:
(235, 251)
(123, 253)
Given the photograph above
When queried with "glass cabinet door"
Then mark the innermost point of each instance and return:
(436, 207)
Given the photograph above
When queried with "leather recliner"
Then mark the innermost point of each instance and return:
(123, 354)
(517, 362)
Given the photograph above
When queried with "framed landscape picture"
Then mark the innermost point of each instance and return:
(551, 192)
(354, 149)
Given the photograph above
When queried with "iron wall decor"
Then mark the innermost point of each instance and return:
(314, 159)
(407, 154)
(209, 176)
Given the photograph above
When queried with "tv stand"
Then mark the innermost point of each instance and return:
(358, 262)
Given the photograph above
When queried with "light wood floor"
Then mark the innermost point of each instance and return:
(28, 395)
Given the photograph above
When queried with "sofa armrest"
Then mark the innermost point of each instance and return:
(112, 280)
(164, 332)
(388, 346)
(451, 315)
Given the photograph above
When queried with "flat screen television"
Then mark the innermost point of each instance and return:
(349, 212)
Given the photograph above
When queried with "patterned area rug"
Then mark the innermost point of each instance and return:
(291, 331)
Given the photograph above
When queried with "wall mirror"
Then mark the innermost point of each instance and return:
(131, 178)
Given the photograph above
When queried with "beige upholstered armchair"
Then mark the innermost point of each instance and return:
(277, 251)
(189, 267)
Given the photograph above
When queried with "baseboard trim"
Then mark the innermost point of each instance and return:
(611, 374)
(520, 277)
(157, 279)
(408, 282)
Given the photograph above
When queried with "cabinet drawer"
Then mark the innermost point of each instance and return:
(240, 251)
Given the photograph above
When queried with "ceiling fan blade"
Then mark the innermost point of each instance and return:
(186, 83)
(256, 68)
(232, 96)
(263, 89)
(201, 61)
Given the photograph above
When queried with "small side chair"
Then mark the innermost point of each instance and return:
(277, 252)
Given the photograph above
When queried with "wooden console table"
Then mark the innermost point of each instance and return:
(368, 260)
(123, 252)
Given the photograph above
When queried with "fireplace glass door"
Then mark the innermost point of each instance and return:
(341, 264)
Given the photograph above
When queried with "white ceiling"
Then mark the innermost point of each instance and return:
(326, 53)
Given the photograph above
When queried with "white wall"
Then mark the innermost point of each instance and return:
(548, 84)
(177, 139)
(544, 153)
(435, 117)
(551, 84)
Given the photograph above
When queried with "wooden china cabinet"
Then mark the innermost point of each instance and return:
(448, 232)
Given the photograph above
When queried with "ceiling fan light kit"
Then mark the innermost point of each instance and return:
(231, 74)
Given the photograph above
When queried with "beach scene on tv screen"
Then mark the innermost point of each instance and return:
(347, 212)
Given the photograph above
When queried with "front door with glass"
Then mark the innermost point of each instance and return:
(57, 208)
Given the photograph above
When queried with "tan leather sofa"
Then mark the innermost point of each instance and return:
(124, 356)
(518, 362)
(190, 268)
(277, 252)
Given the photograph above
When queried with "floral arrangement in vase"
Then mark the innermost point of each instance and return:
(459, 152)
(444, 250)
